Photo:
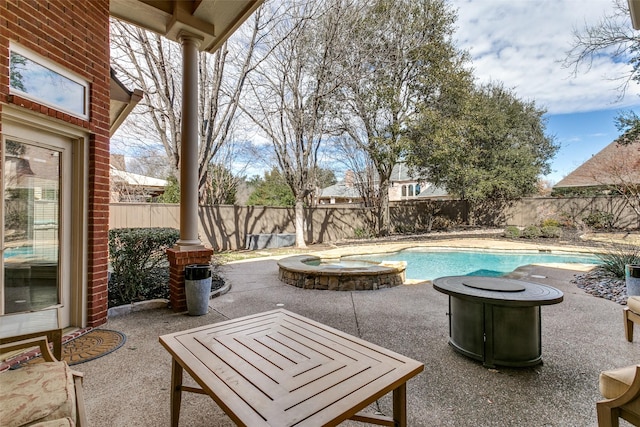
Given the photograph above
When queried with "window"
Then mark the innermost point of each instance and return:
(36, 78)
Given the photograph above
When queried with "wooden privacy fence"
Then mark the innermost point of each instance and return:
(225, 227)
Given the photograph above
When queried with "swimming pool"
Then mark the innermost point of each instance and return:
(428, 264)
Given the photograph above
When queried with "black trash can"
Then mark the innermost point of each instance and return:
(197, 286)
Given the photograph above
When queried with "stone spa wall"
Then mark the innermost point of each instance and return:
(296, 272)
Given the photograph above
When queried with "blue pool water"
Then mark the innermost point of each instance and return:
(29, 252)
(430, 264)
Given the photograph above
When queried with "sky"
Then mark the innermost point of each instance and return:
(523, 44)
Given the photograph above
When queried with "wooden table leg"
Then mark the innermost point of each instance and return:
(176, 392)
(400, 405)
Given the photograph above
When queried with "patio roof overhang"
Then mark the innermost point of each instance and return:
(634, 10)
(212, 20)
(122, 102)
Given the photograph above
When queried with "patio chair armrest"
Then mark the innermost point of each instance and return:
(624, 406)
(81, 412)
(39, 340)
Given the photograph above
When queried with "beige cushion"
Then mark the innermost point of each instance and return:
(615, 382)
(37, 393)
(634, 304)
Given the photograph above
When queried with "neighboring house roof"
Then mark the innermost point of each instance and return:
(433, 192)
(135, 179)
(340, 190)
(615, 163)
(401, 172)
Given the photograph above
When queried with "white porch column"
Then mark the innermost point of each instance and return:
(189, 144)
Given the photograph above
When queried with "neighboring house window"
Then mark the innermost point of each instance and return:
(50, 194)
(39, 79)
(411, 191)
(404, 191)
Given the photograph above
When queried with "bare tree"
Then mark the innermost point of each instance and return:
(360, 173)
(149, 162)
(612, 36)
(153, 63)
(224, 177)
(290, 94)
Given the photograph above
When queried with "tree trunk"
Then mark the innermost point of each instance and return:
(299, 221)
(383, 214)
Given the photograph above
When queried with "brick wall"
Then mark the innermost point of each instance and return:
(74, 34)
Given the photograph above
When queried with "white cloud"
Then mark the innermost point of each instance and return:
(523, 44)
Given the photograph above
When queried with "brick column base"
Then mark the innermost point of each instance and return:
(178, 260)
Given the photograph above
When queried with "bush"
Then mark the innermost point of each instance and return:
(362, 233)
(404, 229)
(531, 232)
(551, 231)
(599, 220)
(615, 259)
(550, 222)
(512, 232)
(442, 223)
(139, 265)
(567, 220)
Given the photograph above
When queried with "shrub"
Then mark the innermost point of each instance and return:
(567, 220)
(442, 223)
(599, 220)
(616, 258)
(404, 229)
(550, 222)
(512, 232)
(362, 233)
(551, 231)
(531, 232)
(138, 263)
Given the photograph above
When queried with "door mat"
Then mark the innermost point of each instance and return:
(92, 345)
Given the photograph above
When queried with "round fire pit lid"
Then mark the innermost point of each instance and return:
(490, 284)
(498, 290)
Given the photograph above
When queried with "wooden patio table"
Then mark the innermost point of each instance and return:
(281, 369)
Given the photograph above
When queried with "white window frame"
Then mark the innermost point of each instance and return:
(56, 68)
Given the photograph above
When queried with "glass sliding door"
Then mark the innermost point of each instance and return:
(32, 228)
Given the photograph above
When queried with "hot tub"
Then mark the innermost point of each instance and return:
(312, 272)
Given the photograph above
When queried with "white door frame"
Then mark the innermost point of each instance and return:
(25, 125)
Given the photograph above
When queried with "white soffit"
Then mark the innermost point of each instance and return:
(212, 20)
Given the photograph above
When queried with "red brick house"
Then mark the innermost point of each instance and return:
(59, 104)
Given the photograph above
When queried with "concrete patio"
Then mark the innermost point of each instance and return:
(580, 337)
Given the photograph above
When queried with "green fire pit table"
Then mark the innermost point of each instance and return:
(496, 320)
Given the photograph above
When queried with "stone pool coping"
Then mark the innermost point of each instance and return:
(444, 244)
(295, 271)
